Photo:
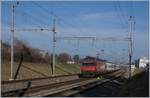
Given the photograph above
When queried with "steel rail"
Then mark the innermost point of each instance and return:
(84, 88)
(43, 89)
(7, 86)
(47, 91)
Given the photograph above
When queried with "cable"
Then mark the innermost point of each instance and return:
(54, 15)
(32, 18)
(47, 13)
(45, 10)
(132, 8)
(122, 13)
(23, 13)
(116, 9)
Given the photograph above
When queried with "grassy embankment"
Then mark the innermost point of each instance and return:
(34, 70)
(137, 86)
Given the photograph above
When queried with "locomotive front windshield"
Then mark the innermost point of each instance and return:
(88, 64)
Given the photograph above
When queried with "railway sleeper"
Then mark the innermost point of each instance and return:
(83, 88)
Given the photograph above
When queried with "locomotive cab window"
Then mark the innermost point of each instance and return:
(88, 64)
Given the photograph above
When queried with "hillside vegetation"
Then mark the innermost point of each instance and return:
(36, 62)
(34, 70)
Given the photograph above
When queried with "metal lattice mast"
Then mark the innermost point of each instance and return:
(130, 43)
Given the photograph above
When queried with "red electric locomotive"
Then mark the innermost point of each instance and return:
(92, 66)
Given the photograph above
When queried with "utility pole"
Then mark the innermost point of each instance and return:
(36, 30)
(54, 45)
(77, 50)
(130, 43)
(12, 41)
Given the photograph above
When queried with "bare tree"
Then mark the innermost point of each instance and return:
(47, 58)
(5, 52)
(63, 58)
(76, 58)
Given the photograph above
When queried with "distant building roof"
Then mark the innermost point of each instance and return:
(93, 58)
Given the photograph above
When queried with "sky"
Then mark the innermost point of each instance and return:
(100, 19)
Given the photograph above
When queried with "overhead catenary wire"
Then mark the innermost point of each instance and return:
(31, 16)
(132, 9)
(45, 10)
(61, 20)
(45, 13)
(123, 15)
(23, 14)
(48, 12)
(40, 21)
(118, 13)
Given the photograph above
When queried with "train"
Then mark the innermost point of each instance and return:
(92, 67)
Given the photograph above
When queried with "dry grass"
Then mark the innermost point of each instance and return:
(34, 70)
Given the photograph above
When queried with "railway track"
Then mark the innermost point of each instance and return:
(106, 89)
(18, 85)
(84, 88)
(51, 85)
